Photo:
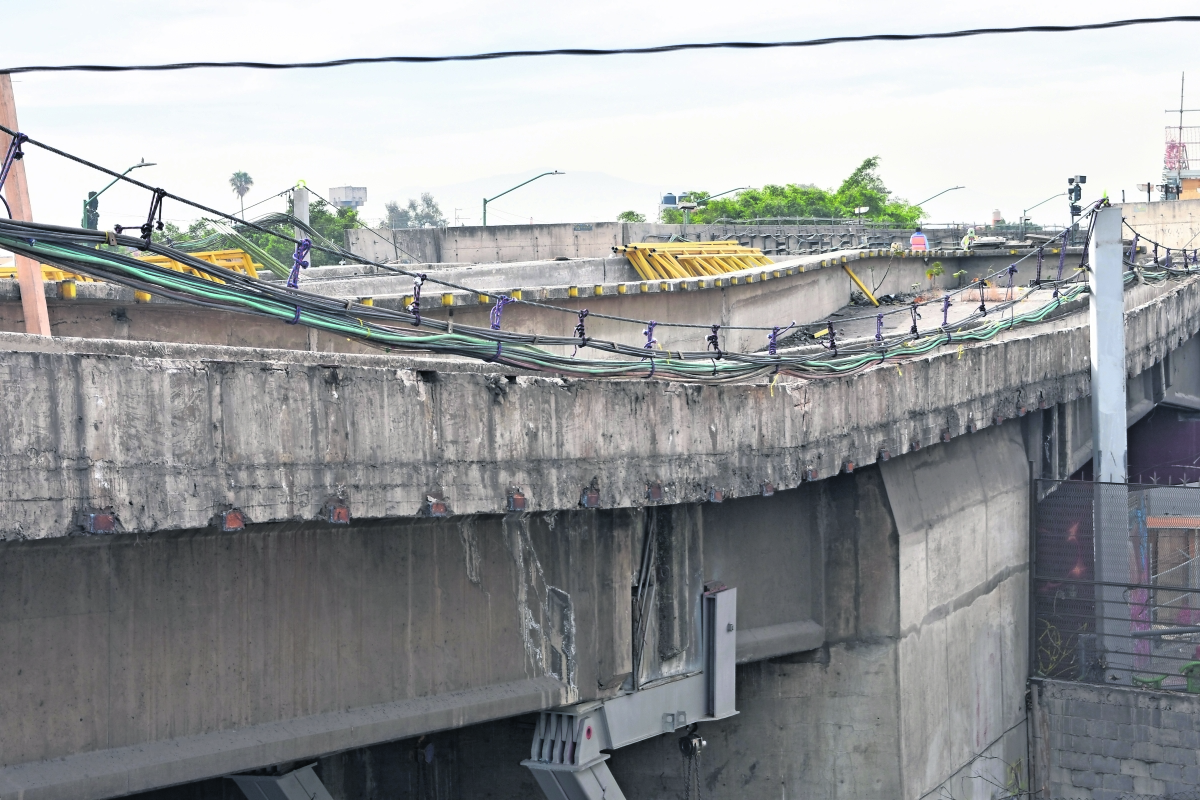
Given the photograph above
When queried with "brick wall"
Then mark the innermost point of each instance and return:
(1111, 743)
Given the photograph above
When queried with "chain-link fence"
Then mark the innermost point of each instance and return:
(1116, 586)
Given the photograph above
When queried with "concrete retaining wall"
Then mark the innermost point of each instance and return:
(1107, 742)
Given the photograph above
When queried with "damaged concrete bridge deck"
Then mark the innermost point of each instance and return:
(219, 559)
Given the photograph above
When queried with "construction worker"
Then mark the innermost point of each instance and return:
(917, 242)
(969, 239)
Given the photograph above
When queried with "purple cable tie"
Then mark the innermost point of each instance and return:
(879, 329)
(946, 310)
(415, 305)
(1133, 250)
(832, 346)
(14, 154)
(296, 319)
(713, 340)
(298, 263)
(1038, 278)
(498, 310)
(982, 301)
(1062, 258)
(773, 337)
(650, 340)
(915, 316)
(580, 331)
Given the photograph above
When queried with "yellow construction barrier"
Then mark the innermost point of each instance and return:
(236, 260)
(668, 261)
(49, 273)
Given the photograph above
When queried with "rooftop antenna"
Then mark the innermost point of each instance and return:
(1177, 151)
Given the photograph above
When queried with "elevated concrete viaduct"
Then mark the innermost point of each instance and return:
(384, 583)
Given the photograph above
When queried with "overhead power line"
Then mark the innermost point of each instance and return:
(578, 51)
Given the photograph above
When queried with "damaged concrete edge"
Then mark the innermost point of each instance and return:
(471, 434)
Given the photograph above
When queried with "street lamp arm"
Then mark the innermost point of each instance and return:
(939, 194)
(519, 185)
(715, 196)
(487, 200)
(1047, 200)
(106, 188)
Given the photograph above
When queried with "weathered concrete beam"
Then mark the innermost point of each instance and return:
(169, 438)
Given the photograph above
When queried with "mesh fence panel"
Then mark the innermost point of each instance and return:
(1116, 588)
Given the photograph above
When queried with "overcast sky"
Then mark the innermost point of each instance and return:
(1009, 117)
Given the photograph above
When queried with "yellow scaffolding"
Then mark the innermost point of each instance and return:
(659, 261)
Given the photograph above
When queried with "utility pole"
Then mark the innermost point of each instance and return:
(16, 191)
(1110, 511)
(300, 206)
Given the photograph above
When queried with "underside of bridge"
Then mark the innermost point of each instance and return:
(223, 561)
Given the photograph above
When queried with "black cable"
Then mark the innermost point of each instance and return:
(343, 253)
(7, 207)
(577, 51)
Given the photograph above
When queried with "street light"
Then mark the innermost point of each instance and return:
(715, 196)
(939, 194)
(1032, 207)
(92, 204)
(487, 200)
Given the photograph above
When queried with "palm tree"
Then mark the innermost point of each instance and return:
(241, 183)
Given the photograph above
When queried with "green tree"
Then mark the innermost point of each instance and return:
(862, 188)
(423, 214)
(631, 216)
(241, 183)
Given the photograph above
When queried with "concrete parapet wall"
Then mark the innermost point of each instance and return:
(1108, 742)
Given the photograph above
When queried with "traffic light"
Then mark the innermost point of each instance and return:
(1074, 190)
(91, 212)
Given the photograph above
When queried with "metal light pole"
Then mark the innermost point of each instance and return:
(939, 194)
(94, 197)
(1032, 207)
(487, 200)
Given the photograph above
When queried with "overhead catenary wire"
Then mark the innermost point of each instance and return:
(593, 52)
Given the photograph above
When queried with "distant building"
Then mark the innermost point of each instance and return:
(1181, 181)
(348, 196)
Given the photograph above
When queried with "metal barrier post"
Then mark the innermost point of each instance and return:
(1110, 512)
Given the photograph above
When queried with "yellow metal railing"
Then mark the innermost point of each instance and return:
(659, 261)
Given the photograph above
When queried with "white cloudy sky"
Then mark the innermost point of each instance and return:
(1008, 117)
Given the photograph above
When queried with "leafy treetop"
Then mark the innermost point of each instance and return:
(862, 188)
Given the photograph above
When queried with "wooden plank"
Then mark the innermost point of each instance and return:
(16, 191)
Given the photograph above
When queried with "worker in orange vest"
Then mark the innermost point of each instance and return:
(917, 242)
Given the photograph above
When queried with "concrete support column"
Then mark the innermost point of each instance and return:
(1110, 513)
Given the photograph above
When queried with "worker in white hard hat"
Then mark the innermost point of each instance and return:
(969, 239)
